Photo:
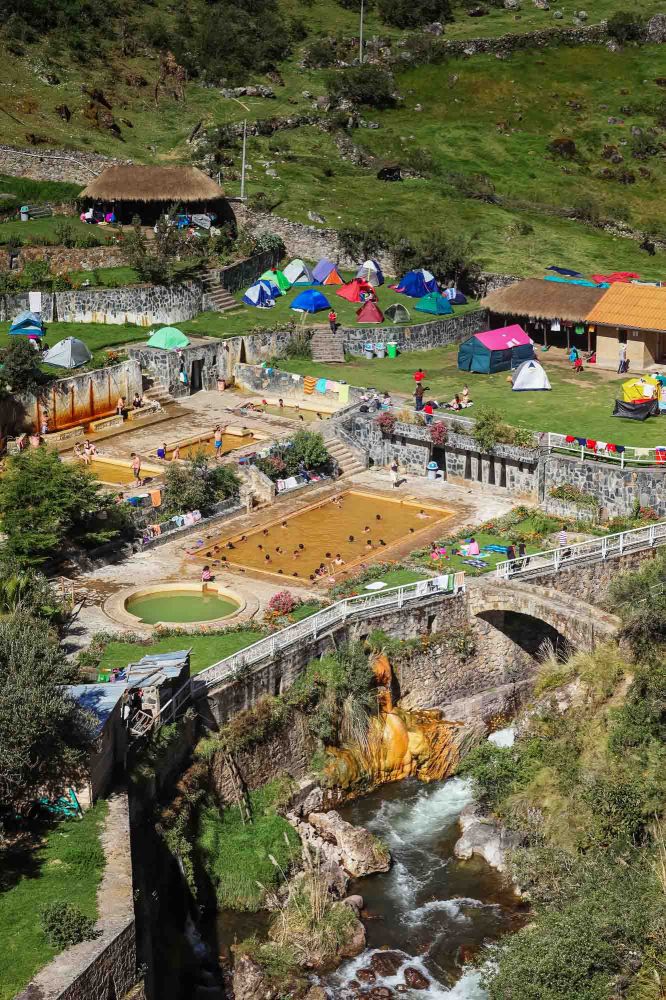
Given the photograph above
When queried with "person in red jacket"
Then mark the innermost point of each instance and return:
(419, 375)
(333, 320)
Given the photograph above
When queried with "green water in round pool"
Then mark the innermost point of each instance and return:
(180, 606)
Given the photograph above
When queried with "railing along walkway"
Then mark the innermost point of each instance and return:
(349, 609)
(627, 455)
(595, 550)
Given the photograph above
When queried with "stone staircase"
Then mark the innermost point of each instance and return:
(158, 392)
(348, 460)
(220, 298)
(327, 347)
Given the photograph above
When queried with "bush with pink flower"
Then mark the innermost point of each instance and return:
(282, 603)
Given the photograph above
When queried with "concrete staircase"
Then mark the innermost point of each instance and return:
(221, 299)
(349, 461)
(327, 347)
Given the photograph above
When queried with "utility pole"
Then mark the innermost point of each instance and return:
(360, 39)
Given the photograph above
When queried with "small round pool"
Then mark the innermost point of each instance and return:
(181, 606)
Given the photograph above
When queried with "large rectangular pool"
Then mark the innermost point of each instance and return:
(338, 533)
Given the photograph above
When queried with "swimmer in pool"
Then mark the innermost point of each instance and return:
(243, 538)
(301, 546)
(339, 561)
(278, 549)
(265, 531)
(296, 554)
(284, 524)
(378, 517)
(268, 558)
(229, 545)
(366, 529)
(382, 542)
(422, 515)
(260, 547)
(369, 543)
(328, 555)
(301, 417)
(175, 454)
(411, 531)
(351, 538)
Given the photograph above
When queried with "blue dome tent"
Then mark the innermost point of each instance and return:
(262, 295)
(310, 301)
(416, 283)
(28, 323)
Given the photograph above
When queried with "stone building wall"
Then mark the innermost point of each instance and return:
(105, 967)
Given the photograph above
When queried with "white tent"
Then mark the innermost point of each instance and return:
(298, 273)
(530, 376)
(67, 353)
(372, 272)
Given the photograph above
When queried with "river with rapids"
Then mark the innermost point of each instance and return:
(433, 909)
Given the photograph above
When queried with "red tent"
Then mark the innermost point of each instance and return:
(354, 290)
(369, 313)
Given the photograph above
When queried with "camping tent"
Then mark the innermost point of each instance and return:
(168, 338)
(261, 294)
(434, 303)
(369, 313)
(638, 389)
(397, 313)
(458, 299)
(310, 301)
(495, 350)
(355, 290)
(372, 272)
(326, 273)
(298, 273)
(416, 283)
(67, 353)
(636, 411)
(530, 376)
(28, 323)
(276, 277)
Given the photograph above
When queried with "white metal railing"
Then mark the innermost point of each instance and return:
(315, 625)
(596, 549)
(627, 455)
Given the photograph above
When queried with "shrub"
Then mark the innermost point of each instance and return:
(262, 202)
(283, 602)
(439, 433)
(362, 242)
(413, 13)
(386, 423)
(564, 147)
(64, 924)
(626, 27)
(572, 494)
(367, 85)
(488, 429)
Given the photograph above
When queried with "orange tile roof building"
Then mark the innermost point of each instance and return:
(634, 315)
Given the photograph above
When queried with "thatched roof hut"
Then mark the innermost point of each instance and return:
(153, 184)
(538, 299)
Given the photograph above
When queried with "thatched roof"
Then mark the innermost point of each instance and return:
(540, 299)
(140, 183)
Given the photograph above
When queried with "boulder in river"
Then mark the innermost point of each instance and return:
(387, 963)
(483, 836)
(415, 979)
(358, 851)
(366, 976)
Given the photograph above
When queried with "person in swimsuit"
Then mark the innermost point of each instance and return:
(136, 468)
(218, 442)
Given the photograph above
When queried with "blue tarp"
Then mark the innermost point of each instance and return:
(585, 282)
(311, 301)
(565, 270)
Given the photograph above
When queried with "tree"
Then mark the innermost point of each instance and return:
(44, 735)
(309, 448)
(450, 258)
(47, 507)
(414, 13)
(367, 84)
(20, 373)
(197, 485)
(362, 242)
(626, 26)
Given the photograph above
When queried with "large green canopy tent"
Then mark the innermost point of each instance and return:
(278, 278)
(168, 338)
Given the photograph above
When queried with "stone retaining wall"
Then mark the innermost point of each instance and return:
(142, 305)
(616, 489)
(72, 165)
(595, 578)
(105, 967)
(81, 398)
(245, 272)
(419, 337)
(62, 260)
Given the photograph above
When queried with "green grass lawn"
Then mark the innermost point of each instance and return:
(249, 318)
(105, 277)
(400, 577)
(45, 230)
(97, 337)
(206, 649)
(67, 866)
(580, 405)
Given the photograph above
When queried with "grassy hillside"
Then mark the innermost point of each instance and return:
(477, 130)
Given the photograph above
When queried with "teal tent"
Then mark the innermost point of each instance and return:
(168, 338)
(434, 303)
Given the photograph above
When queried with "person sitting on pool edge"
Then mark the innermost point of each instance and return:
(206, 576)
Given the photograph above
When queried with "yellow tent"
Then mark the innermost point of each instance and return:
(644, 387)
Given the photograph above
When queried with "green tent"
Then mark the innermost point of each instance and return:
(278, 278)
(168, 338)
(434, 303)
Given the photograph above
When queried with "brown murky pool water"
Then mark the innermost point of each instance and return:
(358, 525)
(230, 442)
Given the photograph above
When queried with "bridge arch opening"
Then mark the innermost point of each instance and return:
(532, 635)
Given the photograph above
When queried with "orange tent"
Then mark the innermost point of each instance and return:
(333, 278)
